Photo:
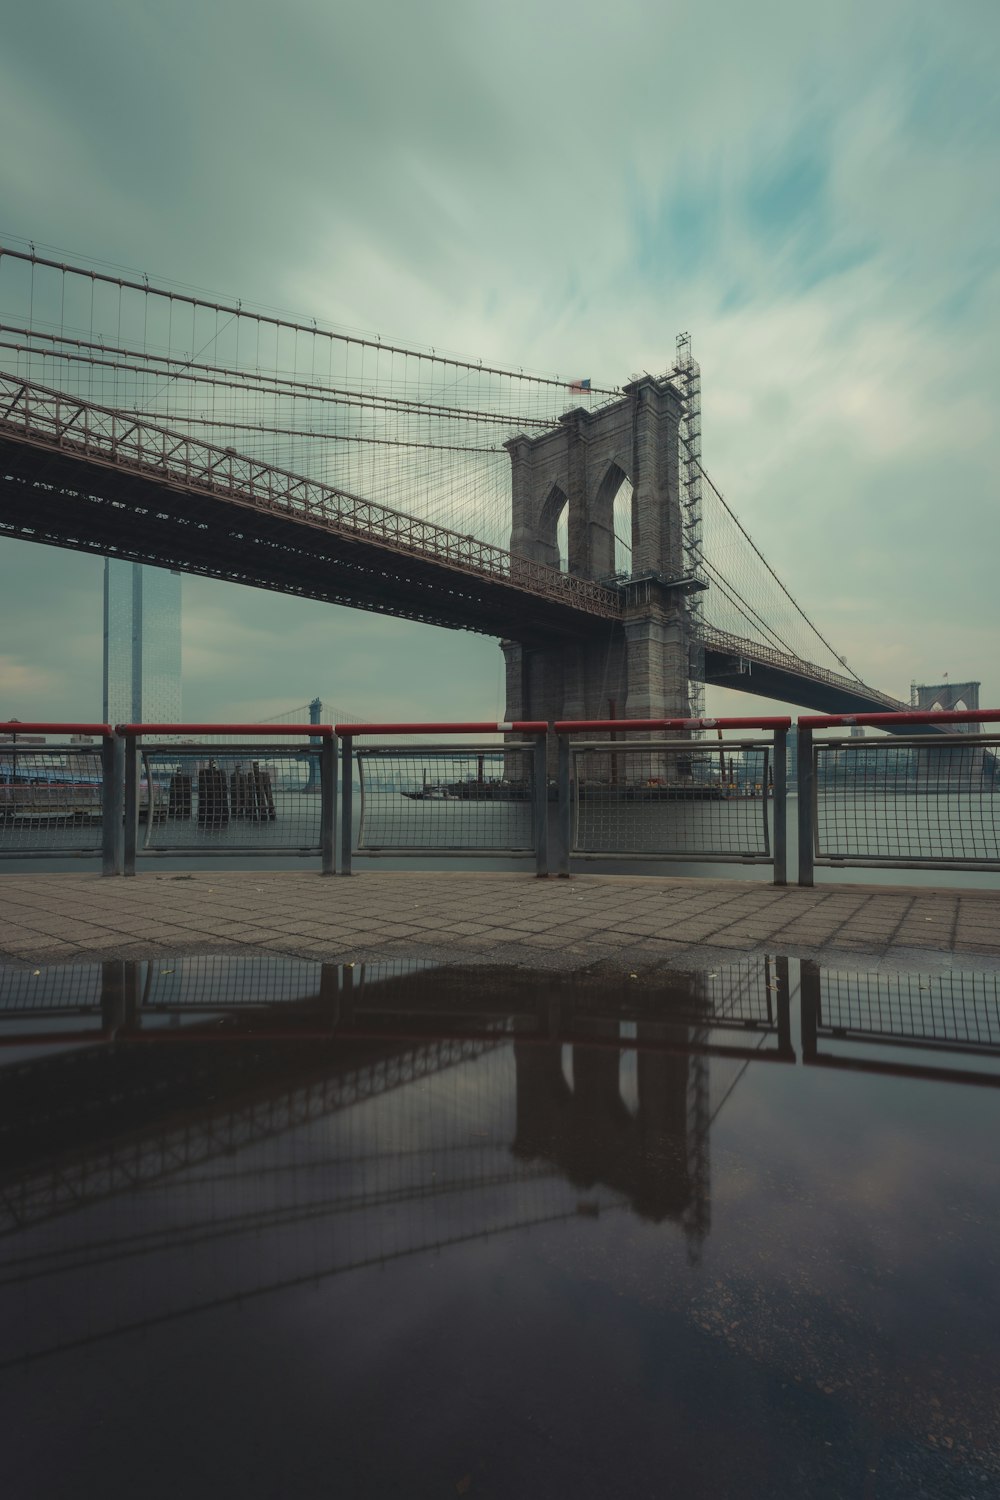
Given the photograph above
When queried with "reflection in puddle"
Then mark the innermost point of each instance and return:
(751, 1205)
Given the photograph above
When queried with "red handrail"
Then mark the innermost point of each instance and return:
(15, 726)
(246, 731)
(922, 716)
(631, 726)
(518, 726)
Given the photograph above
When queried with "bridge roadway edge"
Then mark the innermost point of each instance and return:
(62, 495)
(612, 923)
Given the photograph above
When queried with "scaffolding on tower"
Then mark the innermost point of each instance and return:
(687, 377)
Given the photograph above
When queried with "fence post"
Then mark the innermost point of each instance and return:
(564, 811)
(327, 803)
(809, 1001)
(540, 797)
(131, 829)
(807, 796)
(112, 810)
(112, 997)
(783, 1008)
(780, 772)
(346, 803)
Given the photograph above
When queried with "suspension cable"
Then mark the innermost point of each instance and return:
(814, 628)
(238, 310)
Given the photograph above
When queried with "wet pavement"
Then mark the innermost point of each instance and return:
(272, 1227)
(625, 921)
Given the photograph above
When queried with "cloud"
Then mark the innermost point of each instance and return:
(25, 684)
(811, 195)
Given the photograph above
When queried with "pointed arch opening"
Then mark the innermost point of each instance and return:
(562, 537)
(614, 543)
(553, 529)
(623, 525)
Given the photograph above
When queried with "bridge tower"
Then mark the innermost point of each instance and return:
(638, 668)
(931, 697)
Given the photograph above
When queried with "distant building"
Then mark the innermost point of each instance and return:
(142, 644)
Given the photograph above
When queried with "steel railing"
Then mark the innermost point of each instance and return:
(912, 1025)
(673, 797)
(656, 790)
(910, 802)
(184, 796)
(60, 799)
(757, 651)
(481, 798)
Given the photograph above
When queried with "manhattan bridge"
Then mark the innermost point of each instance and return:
(572, 520)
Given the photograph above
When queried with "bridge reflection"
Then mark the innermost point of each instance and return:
(178, 1115)
(133, 1083)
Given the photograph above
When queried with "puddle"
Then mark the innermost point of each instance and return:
(553, 1234)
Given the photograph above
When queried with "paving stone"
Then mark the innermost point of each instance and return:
(509, 914)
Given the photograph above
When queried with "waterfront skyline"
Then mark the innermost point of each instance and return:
(812, 199)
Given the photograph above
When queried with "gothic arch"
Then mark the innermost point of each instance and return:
(555, 504)
(589, 455)
(938, 697)
(613, 503)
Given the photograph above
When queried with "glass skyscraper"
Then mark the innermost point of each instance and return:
(142, 644)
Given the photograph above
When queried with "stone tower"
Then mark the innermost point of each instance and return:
(638, 668)
(944, 696)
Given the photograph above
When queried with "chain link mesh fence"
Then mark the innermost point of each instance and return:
(959, 1008)
(469, 797)
(229, 799)
(907, 802)
(671, 800)
(65, 990)
(51, 800)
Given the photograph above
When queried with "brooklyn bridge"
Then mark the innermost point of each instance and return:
(574, 522)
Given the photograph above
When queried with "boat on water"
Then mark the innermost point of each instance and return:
(38, 797)
(432, 794)
(489, 791)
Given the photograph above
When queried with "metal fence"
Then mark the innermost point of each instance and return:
(692, 790)
(57, 990)
(59, 799)
(165, 998)
(740, 1009)
(210, 983)
(474, 798)
(676, 798)
(890, 1023)
(206, 799)
(915, 801)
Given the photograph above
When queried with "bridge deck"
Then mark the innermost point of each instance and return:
(67, 501)
(86, 477)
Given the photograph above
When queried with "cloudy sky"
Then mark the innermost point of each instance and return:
(810, 190)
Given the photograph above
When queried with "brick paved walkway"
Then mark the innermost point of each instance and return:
(639, 921)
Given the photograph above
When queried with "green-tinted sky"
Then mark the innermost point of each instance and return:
(811, 190)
